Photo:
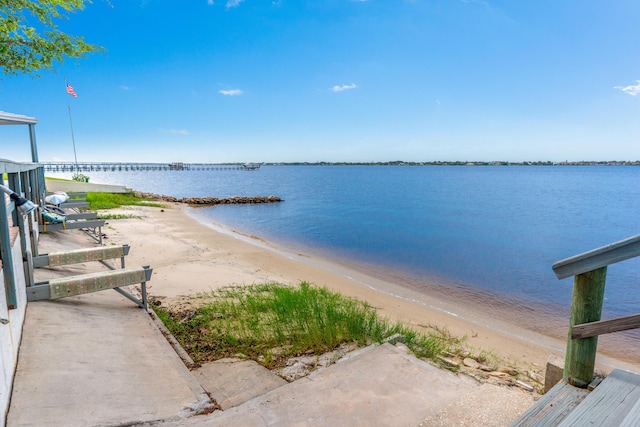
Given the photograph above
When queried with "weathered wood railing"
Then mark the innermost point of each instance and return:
(590, 271)
(24, 179)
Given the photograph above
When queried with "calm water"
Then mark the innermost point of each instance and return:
(493, 229)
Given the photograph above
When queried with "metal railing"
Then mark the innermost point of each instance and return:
(590, 272)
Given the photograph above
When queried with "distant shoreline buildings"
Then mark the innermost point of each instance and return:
(463, 163)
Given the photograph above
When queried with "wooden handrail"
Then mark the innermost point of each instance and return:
(600, 257)
(606, 326)
(590, 271)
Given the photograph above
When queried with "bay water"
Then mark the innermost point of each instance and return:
(487, 231)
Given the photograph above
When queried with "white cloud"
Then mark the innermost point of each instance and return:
(631, 90)
(343, 87)
(125, 87)
(231, 92)
(210, 2)
(233, 3)
(177, 131)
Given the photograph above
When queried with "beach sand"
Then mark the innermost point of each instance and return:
(189, 257)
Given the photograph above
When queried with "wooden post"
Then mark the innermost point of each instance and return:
(586, 306)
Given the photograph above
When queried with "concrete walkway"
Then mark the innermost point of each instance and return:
(98, 360)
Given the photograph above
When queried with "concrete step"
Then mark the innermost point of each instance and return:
(381, 385)
(231, 382)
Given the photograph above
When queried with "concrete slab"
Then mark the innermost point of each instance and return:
(234, 381)
(382, 386)
(97, 359)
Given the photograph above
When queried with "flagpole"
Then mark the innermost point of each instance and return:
(73, 139)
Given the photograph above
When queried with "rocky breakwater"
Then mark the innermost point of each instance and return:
(211, 201)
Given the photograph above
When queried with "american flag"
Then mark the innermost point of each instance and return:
(70, 91)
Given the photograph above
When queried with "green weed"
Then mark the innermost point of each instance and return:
(272, 322)
(116, 200)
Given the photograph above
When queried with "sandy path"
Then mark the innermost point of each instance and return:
(189, 257)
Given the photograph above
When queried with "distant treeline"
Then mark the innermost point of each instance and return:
(461, 163)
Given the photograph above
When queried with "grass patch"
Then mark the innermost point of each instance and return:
(49, 178)
(116, 200)
(272, 322)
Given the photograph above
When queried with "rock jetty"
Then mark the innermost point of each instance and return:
(210, 201)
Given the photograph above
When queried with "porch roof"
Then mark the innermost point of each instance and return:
(16, 119)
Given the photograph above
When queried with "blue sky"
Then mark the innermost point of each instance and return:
(340, 80)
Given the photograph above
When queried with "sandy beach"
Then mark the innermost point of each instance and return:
(189, 257)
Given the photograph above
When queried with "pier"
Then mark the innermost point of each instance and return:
(127, 167)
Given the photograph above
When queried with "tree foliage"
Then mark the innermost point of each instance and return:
(29, 37)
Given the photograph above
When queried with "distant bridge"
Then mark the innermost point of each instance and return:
(126, 167)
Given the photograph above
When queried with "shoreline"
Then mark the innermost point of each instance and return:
(191, 256)
(506, 315)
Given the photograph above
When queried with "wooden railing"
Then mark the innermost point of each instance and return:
(590, 271)
(25, 179)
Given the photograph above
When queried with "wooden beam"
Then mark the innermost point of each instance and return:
(87, 283)
(586, 307)
(71, 225)
(600, 257)
(87, 255)
(605, 326)
(78, 256)
(94, 282)
(82, 215)
(74, 204)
